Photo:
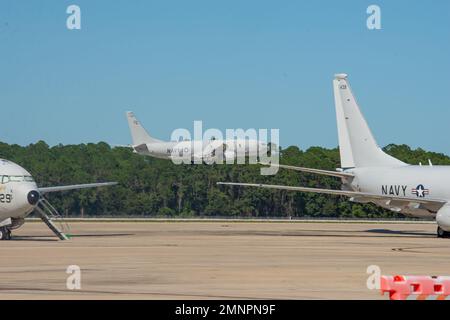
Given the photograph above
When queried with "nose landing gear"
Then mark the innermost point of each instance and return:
(5, 233)
(441, 233)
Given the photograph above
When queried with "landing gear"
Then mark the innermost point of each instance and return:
(441, 233)
(5, 233)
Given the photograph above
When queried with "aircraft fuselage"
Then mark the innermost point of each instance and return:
(15, 186)
(198, 149)
(421, 182)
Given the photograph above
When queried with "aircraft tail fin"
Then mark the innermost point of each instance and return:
(357, 145)
(138, 134)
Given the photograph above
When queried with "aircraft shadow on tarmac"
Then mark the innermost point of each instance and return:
(94, 235)
(399, 232)
(371, 233)
(47, 238)
(33, 238)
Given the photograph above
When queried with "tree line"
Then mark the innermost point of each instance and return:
(158, 188)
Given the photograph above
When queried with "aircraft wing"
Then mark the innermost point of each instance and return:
(338, 174)
(130, 146)
(75, 186)
(208, 149)
(432, 205)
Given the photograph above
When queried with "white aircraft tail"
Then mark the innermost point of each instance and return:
(138, 134)
(357, 145)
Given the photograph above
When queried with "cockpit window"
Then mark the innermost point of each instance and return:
(7, 179)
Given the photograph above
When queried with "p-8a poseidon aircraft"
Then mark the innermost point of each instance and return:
(370, 175)
(196, 150)
(20, 196)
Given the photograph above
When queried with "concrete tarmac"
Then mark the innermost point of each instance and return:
(216, 260)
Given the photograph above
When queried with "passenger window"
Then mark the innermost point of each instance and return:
(5, 179)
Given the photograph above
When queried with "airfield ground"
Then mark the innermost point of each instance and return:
(209, 260)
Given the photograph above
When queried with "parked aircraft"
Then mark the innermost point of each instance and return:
(20, 196)
(197, 151)
(370, 175)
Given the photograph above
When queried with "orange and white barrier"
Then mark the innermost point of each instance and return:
(416, 287)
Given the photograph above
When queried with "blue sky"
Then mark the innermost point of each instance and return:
(231, 64)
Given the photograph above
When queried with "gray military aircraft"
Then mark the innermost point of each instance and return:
(369, 175)
(20, 196)
(197, 151)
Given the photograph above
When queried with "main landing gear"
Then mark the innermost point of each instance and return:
(441, 233)
(5, 233)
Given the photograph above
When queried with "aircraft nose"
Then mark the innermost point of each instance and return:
(33, 197)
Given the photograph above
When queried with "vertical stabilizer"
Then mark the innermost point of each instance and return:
(138, 134)
(357, 145)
